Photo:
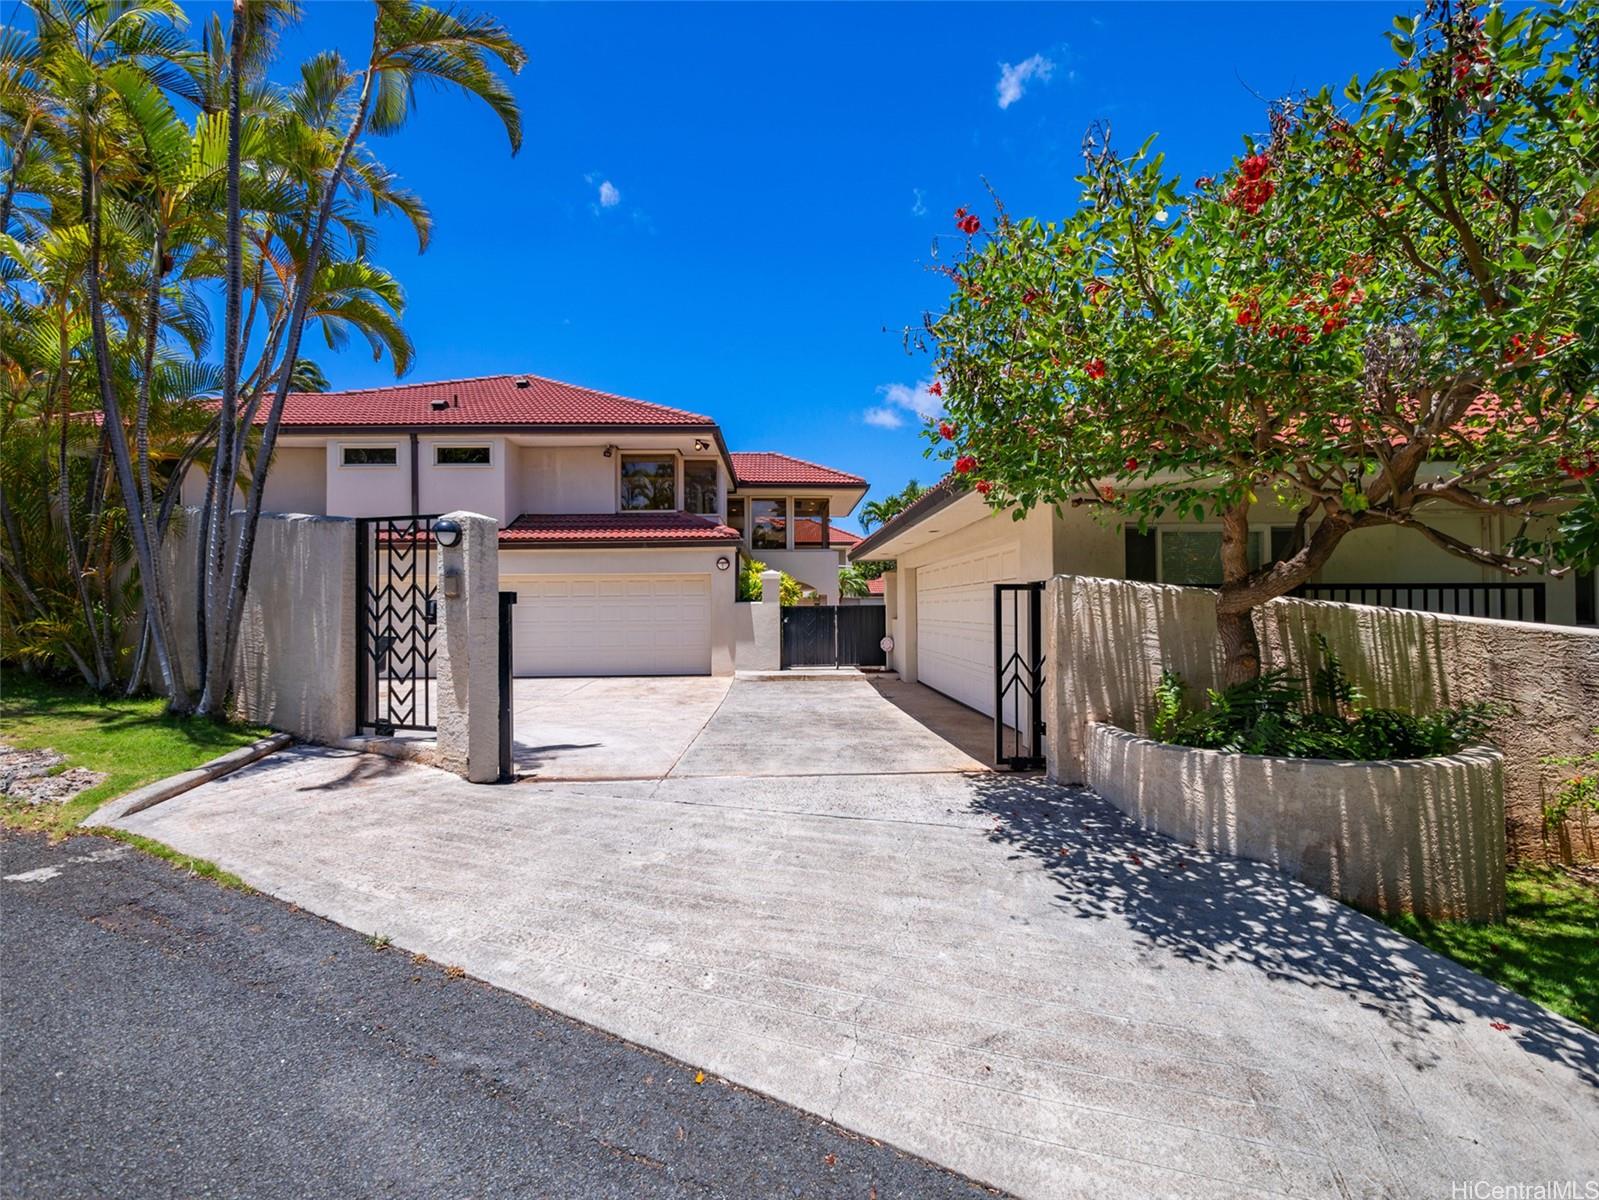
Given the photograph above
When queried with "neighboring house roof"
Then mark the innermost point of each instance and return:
(762, 468)
(842, 537)
(491, 400)
(532, 531)
(946, 491)
(877, 587)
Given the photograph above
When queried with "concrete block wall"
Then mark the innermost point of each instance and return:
(296, 665)
(1110, 638)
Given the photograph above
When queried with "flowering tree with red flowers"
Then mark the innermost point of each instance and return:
(1387, 310)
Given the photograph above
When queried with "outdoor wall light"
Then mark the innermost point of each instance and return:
(446, 532)
(723, 563)
(609, 450)
(452, 583)
(701, 445)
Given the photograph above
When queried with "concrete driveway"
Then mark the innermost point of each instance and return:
(651, 727)
(1004, 976)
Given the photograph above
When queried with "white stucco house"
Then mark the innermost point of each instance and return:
(950, 548)
(622, 523)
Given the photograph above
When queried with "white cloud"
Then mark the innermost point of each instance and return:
(1013, 80)
(919, 209)
(609, 196)
(900, 399)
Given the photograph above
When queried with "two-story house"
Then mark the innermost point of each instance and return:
(622, 523)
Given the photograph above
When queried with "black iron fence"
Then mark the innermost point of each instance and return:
(395, 616)
(1018, 676)
(1506, 601)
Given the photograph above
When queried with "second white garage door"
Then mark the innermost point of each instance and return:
(955, 623)
(610, 624)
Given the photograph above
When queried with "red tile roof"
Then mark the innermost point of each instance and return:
(533, 530)
(842, 537)
(762, 468)
(486, 401)
(877, 587)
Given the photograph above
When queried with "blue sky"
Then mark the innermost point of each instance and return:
(729, 208)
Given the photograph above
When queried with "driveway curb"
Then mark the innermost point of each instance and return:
(152, 794)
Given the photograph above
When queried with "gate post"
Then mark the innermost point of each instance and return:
(468, 654)
(767, 614)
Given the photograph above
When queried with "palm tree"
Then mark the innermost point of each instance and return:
(880, 512)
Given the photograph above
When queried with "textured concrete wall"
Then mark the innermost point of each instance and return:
(1404, 835)
(296, 665)
(1110, 639)
(468, 648)
(766, 627)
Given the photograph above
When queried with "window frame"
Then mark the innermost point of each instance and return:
(346, 447)
(794, 519)
(676, 460)
(742, 528)
(716, 474)
(784, 514)
(474, 466)
(1261, 532)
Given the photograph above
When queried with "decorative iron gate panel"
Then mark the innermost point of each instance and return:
(395, 616)
(860, 635)
(1018, 676)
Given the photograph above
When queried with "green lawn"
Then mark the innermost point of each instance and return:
(130, 740)
(1547, 949)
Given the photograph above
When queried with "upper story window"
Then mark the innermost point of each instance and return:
(649, 482)
(735, 513)
(700, 486)
(1193, 556)
(463, 456)
(768, 525)
(810, 524)
(369, 456)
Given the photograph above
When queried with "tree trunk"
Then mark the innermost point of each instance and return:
(1236, 627)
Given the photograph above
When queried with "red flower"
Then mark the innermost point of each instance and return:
(965, 465)
(1095, 368)
(1253, 187)
(969, 223)
(1499, 1025)
(1029, 296)
(935, 388)
(1094, 288)
(1131, 464)
(946, 431)
(1247, 316)
(984, 487)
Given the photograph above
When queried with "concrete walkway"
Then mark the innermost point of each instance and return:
(1003, 976)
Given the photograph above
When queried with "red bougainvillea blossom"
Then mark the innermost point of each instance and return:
(965, 465)
(1588, 468)
(1095, 368)
(984, 487)
(1131, 464)
(946, 431)
(967, 222)
(935, 388)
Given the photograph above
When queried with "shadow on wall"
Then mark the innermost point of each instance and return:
(1222, 913)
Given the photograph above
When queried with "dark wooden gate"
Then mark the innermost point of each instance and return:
(834, 635)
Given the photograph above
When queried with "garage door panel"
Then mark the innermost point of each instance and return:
(611, 624)
(955, 623)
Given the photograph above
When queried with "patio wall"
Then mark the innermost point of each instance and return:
(296, 668)
(1109, 640)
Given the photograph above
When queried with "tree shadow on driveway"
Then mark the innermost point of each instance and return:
(1218, 911)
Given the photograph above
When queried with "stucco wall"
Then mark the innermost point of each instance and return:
(296, 668)
(369, 491)
(474, 488)
(1404, 835)
(1110, 638)
(297, 481)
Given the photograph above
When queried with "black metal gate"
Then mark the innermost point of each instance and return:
(834, 635)
(1018, 676)
(395, 616)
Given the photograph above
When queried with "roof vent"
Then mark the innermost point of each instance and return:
(522, 381)
(437, 405)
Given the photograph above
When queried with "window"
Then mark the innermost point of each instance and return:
(370, 456)
(699, 486)
(735, 513)
(649, 482)
(768, 525)
(1193, 556)
(810, 523)
(461, 456)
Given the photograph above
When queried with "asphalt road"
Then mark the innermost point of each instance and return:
(162, 1036)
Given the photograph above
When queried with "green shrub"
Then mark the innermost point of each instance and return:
(1272, 715)
(1580, 793)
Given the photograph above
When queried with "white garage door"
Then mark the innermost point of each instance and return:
(955, 623)
(610, 624)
